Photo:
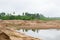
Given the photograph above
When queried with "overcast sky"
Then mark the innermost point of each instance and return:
(49, 8)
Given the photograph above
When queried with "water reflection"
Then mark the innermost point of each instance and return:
(26, 30)
(48, 34)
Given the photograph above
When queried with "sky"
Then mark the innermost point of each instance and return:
(49, 8)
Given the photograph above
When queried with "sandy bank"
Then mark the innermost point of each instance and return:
(10, 34)
(30, 24)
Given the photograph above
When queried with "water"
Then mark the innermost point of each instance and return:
(48, 34)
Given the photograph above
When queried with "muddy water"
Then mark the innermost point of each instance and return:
(47, 34)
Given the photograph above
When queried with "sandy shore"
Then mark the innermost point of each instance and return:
(32, 24)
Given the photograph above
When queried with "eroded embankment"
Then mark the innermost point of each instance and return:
(10, 34)
(32, 24)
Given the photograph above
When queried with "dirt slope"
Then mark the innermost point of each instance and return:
(10, 34)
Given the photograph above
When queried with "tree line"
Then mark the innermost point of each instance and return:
(24, 16)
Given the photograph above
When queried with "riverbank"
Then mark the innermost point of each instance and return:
(11, 34)
(30, 24)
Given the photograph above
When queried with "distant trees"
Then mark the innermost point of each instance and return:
(24, 16)
(2, 14)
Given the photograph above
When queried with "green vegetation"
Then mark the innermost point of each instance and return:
(24, 16)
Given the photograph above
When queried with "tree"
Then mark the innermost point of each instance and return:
(2, 14)
(13, 12)
(42, 17)
(23, 13)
